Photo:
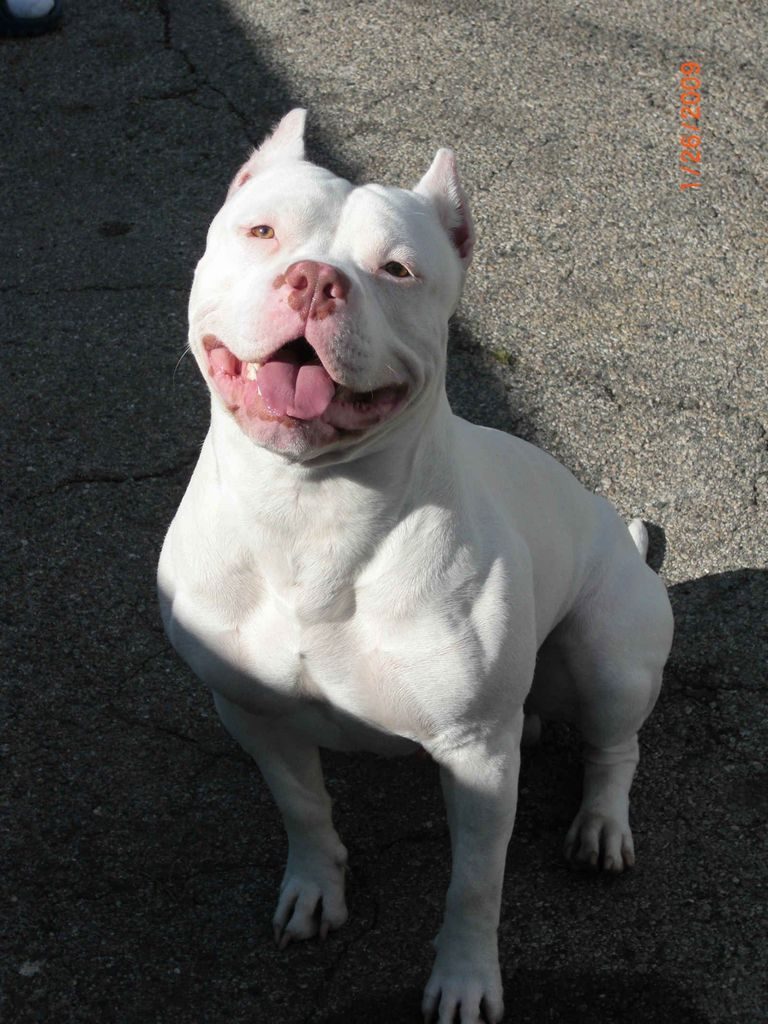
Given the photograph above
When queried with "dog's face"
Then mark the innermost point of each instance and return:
(319, 310)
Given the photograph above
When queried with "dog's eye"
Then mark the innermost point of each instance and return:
(395, 269)
(262, 231)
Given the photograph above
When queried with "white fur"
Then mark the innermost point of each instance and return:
(409, 588)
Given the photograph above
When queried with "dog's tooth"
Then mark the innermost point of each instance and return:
(251, 370)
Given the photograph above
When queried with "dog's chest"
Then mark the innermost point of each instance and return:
(340, 652)
(320, 662)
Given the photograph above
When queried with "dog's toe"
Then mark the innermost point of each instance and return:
(463, 989)
(307, 908)
(599, 841)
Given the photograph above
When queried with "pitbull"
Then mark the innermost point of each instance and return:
(355, 567)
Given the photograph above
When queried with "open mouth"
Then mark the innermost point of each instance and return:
(294, 387)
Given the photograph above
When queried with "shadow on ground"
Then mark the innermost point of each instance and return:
(721, 631)
(141, 865)
(541, 997)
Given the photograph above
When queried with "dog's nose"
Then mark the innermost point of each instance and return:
(315, 289)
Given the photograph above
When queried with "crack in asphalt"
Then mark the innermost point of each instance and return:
(87, 288)
(165, 730)
(320, 997)
(107, 476)
(202, 80)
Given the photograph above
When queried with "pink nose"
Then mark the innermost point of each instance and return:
(315, 289)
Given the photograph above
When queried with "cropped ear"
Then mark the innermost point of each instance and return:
(441, 184)
(285, 143)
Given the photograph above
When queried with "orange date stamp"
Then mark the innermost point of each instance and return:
(690, 124)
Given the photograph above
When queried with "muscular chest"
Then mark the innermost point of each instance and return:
(338, 606)
(343, 655)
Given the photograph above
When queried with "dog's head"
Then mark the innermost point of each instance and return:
(319, 310)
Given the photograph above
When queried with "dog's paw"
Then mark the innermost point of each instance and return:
(311, 898)
(599, 841)
(464, 988)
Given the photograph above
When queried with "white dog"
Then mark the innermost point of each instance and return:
(353, 566)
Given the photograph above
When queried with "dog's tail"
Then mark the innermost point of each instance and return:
(639, 535)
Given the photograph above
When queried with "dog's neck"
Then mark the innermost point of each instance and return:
(362, 495)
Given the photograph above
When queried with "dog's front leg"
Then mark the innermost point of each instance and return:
(479, 780)
(311, 897)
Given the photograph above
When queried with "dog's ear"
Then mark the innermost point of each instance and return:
(441, 184)
(285, 143)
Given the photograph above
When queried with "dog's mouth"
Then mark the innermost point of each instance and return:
(294, 387)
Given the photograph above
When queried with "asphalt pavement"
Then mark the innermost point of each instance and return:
(609, 316)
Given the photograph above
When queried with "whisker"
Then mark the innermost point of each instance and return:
(187, 352)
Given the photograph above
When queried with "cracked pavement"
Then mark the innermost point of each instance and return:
(609, 317)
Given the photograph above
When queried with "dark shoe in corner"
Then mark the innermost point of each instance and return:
(13, 25)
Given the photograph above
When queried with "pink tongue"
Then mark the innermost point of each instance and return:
(303, 392)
